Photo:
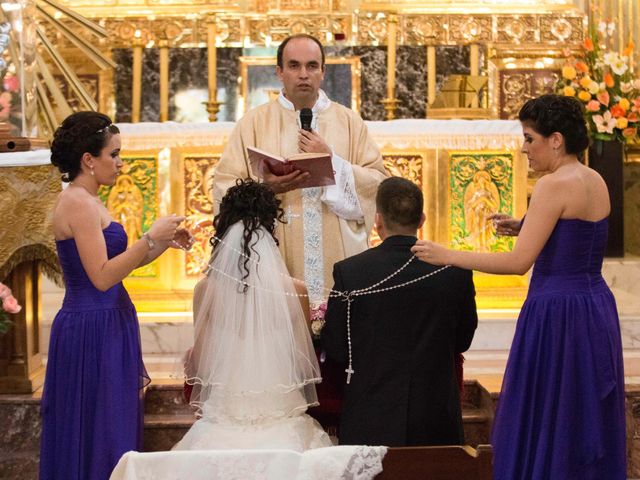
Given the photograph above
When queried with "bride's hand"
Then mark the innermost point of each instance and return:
(182, 239)
(431, 252)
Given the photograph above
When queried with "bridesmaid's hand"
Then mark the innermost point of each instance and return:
(431, 252)
(182, 239)
(505, 224)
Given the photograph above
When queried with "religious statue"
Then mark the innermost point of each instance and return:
(125, 204)
(481, 200)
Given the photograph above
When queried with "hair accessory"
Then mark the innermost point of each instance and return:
(104, 129)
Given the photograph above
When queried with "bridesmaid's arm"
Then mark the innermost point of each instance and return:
(182, 240)
(545, 209)
(86, 227)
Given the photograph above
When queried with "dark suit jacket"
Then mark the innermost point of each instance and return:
(404, 391)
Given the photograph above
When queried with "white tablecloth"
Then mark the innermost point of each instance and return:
(400, 134)
(344, 462)
(25, 159)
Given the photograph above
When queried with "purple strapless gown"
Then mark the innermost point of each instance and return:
(561, 410)
(92, 402)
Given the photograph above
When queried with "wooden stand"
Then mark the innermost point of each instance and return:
(21, 369)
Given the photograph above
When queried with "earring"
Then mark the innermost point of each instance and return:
(92, 172)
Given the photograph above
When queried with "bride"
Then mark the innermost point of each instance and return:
(252, 367)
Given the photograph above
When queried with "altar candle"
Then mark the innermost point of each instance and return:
(392, 29)
(212, 58)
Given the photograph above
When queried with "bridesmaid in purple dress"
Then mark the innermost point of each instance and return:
(561, 409)
(91, 409)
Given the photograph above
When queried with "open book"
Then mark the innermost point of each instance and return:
(317, 164)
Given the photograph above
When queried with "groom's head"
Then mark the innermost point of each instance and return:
(399, 204)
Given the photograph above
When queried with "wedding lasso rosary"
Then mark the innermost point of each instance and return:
(346, 296)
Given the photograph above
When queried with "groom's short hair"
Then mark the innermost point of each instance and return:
(400, 202)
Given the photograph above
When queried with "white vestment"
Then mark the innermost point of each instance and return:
(327, 224)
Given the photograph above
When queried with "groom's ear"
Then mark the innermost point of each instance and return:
(377, 222)
(422, 220)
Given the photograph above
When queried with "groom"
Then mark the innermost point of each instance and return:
(401, 388)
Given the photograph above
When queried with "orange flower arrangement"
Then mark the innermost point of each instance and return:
(604, 82)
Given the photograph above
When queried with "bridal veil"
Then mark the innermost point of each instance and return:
(253, 360)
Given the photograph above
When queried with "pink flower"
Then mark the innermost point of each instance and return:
(603, 97)
(593, 106)
(604, 123)
(10, 304)
(11, 83)
(4, 291)
(5, 105)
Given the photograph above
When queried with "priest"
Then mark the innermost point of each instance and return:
(323, 224)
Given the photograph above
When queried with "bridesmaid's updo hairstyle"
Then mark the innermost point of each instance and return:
(557, 113)
(79, 133)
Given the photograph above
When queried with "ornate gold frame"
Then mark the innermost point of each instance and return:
(354, 62)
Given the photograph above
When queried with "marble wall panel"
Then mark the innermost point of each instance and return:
(373, 77)
(150, 98)
(188, 71)
(228, 72)
(188, 79)
(20, 441)
(122, 78)
(411, 78)
(632, 208)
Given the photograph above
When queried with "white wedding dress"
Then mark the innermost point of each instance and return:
(252, 367)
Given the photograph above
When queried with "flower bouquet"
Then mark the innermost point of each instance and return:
(603, 80)
(9, 305)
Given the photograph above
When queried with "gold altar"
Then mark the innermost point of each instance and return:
(462, 187)
(513, 51)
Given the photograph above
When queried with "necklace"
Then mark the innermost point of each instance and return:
(347, 296)
(95, 195)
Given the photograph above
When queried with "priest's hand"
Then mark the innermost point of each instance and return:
(431, 252)
(285, 183)
(311, 142)
(505, 224)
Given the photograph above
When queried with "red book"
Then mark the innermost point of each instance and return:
(317, 164)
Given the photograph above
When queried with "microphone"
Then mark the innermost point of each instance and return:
(306, 115)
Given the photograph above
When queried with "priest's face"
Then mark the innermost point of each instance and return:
(302, 72)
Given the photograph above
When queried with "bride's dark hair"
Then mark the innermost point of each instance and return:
(256, 205)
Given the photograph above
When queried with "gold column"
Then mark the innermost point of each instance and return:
(213, 106)
(163, 44)
(431, 74)
(136, 87)
(621, 24)
(474, 54)
(390, 103)
(23, 372)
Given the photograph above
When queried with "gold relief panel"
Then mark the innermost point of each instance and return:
(133, 202)
(565, 29)
(519, 85)
(229, 30)
(470, 29)
(298, 5)
(481, 184)
(423, 30)
(372, 29)
(516, 29)
(414, 166)
(198, 208)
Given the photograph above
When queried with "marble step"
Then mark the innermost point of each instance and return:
(168, 416)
